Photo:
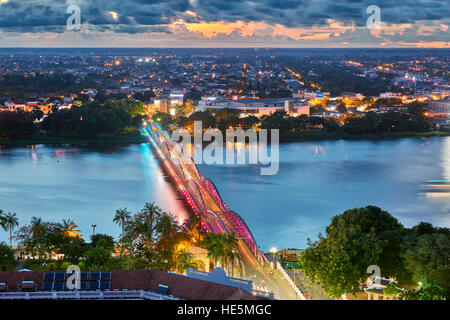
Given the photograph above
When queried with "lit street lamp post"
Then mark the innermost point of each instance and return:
(273, 251)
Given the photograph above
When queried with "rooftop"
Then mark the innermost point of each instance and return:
(179, 286)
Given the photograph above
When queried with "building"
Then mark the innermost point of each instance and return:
(375, 289)
(255, 107)
(304, 94)
(119, 284)
(161, 105)
(393, 108)
(438, 109)
(387, 95)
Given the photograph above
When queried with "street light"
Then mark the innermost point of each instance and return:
(273, 251)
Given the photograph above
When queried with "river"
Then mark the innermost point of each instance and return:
(316, 180)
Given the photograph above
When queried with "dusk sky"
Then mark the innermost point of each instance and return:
(220, 23)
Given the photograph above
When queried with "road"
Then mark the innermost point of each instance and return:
(253, 270)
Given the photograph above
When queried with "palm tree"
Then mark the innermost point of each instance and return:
(151, 214)
(215, 244)
(185, 260)
(36, 225)
(194, 225)
(122, 217)
(2, 220)
(70, 229)
(93, 228)
(10, 221)
(231, 252)
(38, 229)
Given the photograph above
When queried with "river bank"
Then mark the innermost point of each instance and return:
(284, 137)
(322, 135)
(124, 139)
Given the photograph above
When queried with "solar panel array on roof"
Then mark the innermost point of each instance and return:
(56, 281)
(84, 285)
(59, 286)
(95, 276)
(94, 285)
(60, 276)
(105, 285)
(105, 276)
(49, 276)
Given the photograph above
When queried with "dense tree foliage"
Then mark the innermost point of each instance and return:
(430, 290)
(113, 117)
(17, 124)
(367, 236)
(151, 236)
(7, 260)
(336, 79)
(426, 252)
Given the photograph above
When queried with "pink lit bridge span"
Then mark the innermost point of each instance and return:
(203, 198)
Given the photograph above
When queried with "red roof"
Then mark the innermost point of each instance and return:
(179, 286)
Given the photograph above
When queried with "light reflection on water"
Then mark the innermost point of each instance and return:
(85, 184)
(316, 181)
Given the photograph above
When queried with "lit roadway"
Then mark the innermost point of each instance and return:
(253, 270)
(187, 178)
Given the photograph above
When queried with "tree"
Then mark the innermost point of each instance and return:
(248, 122)
(40, 238)
(354, 240)
(17, 124)
(426, 253)
(430, 290)
(2, 220)
(104, 240)
(145, 96)
(163, 118)
(99, 254)
(416, 107)
(10, 222)
(151, 237)
(278, 120)
(70, 229)
(226, 113)
(231, 252)
(194, 226)
(122, 217)
(391, 290)
(73, 250)
(205, 117)
(98, 258)
(6, 257)
(185, 260)
(339, 262)
(215, 243)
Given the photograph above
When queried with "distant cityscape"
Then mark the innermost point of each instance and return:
(257, 83)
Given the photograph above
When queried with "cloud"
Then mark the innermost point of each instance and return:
(300, 21)
(289, 13)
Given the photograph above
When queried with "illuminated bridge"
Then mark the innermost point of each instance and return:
(203, 198)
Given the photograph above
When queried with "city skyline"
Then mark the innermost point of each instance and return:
(196, 23)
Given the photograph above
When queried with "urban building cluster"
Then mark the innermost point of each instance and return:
(255, 83)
